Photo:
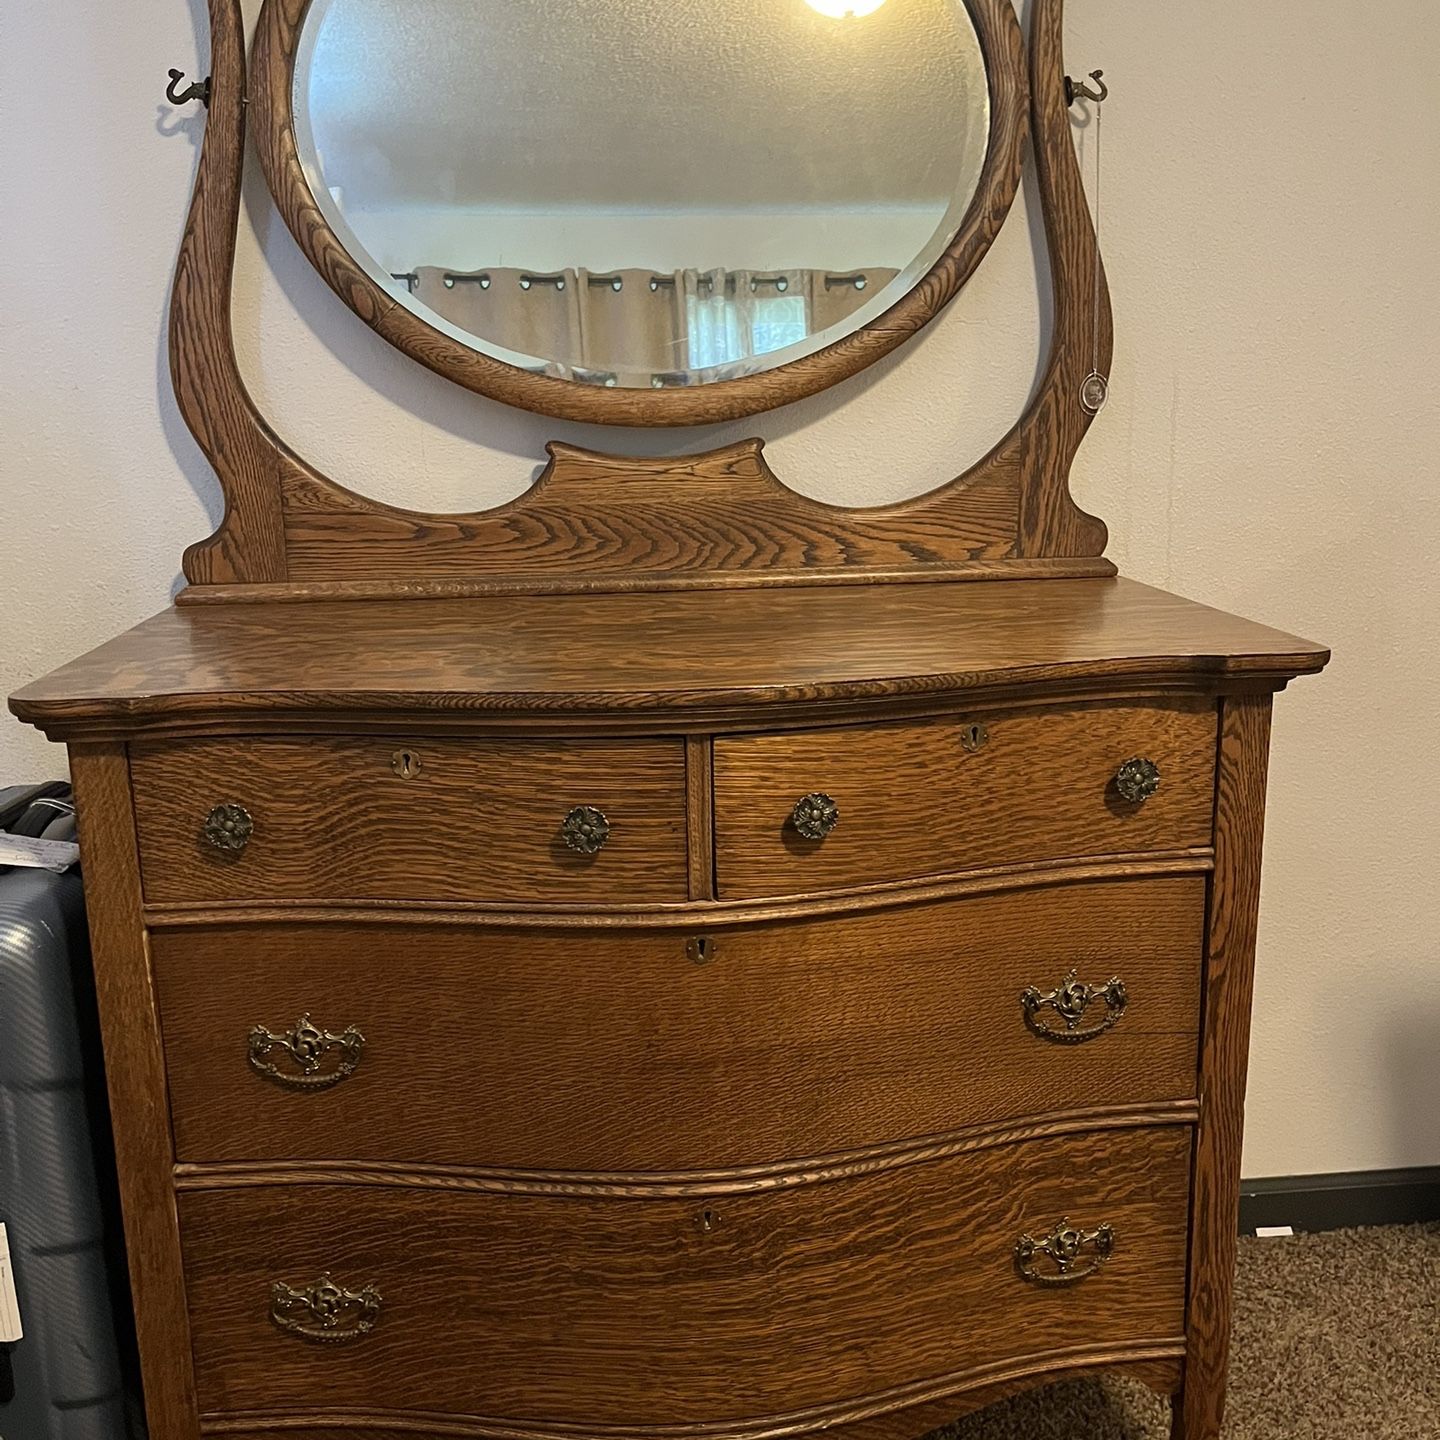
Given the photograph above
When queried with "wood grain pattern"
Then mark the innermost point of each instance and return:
(135, 1075)
(1150, 1365)
(686, 1184)
(794, 1040)
(894, 1415)
(481, 820)
(914, 802)
(700, 815)
(1048, 439)
(623, 1312)
(754, 657)
(1000, 39)
(636, 523)
(249, 545)
(694, 916)
(1225, 1048)
(649, 582)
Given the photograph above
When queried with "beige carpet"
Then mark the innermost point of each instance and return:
(1337, 1337)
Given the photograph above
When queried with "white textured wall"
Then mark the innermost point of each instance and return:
(1273, 200)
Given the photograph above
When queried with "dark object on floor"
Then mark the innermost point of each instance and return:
(62, 1380)
(1337, 1337)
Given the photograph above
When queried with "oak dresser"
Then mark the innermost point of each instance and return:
(666, 959)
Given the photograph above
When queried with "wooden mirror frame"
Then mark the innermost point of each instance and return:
(608, 522)
(276, 44)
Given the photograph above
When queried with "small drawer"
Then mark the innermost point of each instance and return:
(660, 1050)
(816, 810)
(592, 1308)
(375, 818)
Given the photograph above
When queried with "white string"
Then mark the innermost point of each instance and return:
(1095, 329)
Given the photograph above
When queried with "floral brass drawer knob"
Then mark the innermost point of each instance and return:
(1137, 780)
(228, 827)
(585, 830)
(1066, 1256)
(815, 816)
(316, 1058)
(325, 1311)
(1071, 1001)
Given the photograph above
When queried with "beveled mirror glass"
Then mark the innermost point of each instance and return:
(642, 194)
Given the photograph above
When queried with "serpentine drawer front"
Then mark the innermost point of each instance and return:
(620, 1048)
(811, 810)
(376, 818)
(593, 1309)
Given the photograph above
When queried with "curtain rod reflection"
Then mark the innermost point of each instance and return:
(777, 280)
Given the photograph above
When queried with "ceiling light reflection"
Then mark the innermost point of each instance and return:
(841, 9)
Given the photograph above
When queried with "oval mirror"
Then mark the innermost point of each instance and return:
(550, 200)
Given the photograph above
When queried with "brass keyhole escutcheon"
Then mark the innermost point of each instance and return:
(700, 950)
(708, 1220)
(973, 737)
(406, 764)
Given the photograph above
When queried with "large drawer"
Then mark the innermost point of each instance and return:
(335, 818)
(932, 797)
(598, 1309)
(613, 1049)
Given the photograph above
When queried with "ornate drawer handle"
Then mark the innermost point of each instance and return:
(815, 815)
(325, 1311)
(307, 1045)
(1063, 1247)
(1070, 1002)
(1137, 780)
(585, 830)
(228, 827)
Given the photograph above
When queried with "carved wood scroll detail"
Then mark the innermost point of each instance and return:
(608, 522)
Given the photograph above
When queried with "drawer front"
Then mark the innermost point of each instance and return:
(586, 1309)
(612, 1049)
(331, 818)
(913, 800)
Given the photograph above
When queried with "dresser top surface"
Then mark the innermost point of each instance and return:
(653, 654)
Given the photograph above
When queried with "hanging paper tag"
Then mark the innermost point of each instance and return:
(10, 1329)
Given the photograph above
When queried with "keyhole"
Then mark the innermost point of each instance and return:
(405, 763)
(708, 1220)
(700, 950)
(973, 737)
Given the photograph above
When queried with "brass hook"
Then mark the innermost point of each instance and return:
(1074, 92)
(199, 90)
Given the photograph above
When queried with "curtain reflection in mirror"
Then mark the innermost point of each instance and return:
(634, 326)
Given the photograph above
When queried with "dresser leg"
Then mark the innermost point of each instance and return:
(1196, 1415)
(1225, 1043)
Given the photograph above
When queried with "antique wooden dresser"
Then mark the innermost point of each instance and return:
(667, 958)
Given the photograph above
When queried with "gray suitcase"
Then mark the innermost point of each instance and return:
(64, 1377)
